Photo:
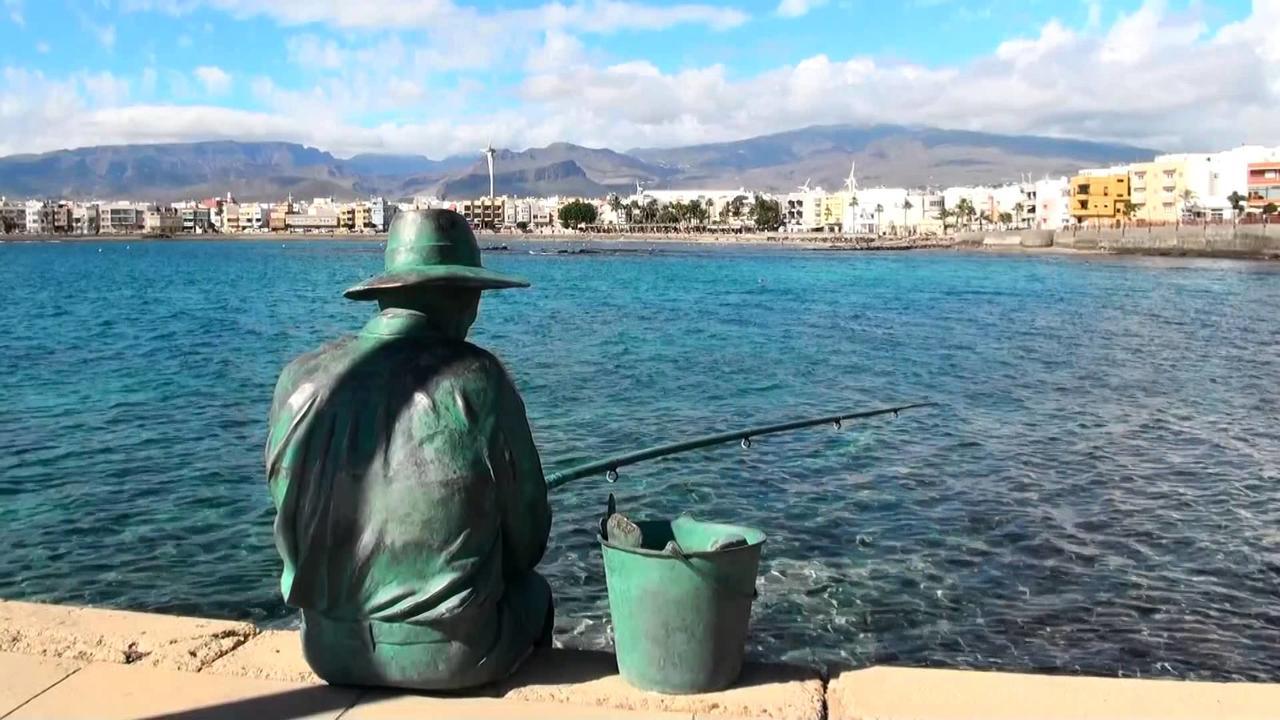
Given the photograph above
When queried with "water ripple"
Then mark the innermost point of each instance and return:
(1097, 492)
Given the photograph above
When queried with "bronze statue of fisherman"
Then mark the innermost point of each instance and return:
(411, 504)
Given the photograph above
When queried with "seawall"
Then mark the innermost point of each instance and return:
(1249, 241)
(68, 662)
(1224, 241)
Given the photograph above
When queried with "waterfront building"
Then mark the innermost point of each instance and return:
(381, 213)
(834, 210)
(62, 218)
(1158, 189)
(1013, 202)
(86, 218)
(121, 217)
(254, 217)
(162, 221)
(1264, 184)
(196, 220)
(13, 217)
(484, 213)
(280, 211)
(39, 217)
(801, 211)
(315, 219)
(880, 211)
(347, 217)
(1052, 208)
(230, 217)
(544, 212)
(925, 214)
(1100, 197)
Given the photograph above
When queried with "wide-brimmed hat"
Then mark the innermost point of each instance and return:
(432, 248)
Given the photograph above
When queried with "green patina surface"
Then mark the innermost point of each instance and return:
(411, 504)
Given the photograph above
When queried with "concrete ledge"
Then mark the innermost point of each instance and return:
(772, 692)
(270, 655)
(886, 693)
(23, 677)
(394, 706)
(51, 666)
(93, 635)
(573, 678)
(107, 691)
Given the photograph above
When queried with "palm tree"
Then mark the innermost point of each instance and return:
(1189, 203)
(906, 207)
(1018, 209)
(853, 205)
(1236, 200)
(879, 212)
(943, 214)
(615, 204)
(964, 211)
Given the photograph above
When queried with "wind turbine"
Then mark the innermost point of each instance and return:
(805, 187)
(851, 182)
(489, 153)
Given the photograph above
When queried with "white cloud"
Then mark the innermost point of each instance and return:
(797, 8)
(597, 16)
(215, 80)
(43, 48)
(1154, 77)
(14, 8)
(106, 35)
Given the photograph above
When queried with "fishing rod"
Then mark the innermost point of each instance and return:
(610, 465)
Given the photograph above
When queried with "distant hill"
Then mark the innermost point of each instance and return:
(376, 165)
(885, 155)
(176, 171)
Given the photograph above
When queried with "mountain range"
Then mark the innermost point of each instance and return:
(819, 155)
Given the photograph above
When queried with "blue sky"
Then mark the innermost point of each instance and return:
(440, 76)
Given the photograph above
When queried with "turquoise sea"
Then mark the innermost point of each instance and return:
(1098, 491)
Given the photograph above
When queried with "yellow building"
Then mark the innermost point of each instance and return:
(486, 213)
(1158, 190)
(1099, 197)
(347, 217)
(831, 210)
(363, 217)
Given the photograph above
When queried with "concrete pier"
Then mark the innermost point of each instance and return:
(64, 662)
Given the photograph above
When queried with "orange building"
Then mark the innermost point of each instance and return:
(1099, 197)
(1264, 184)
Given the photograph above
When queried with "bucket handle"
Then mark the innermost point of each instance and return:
(674, 551)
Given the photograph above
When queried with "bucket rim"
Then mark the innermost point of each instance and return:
(701, 554)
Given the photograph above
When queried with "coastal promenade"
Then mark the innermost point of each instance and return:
(67, 662)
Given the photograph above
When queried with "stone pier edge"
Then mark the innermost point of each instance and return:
(59, 661)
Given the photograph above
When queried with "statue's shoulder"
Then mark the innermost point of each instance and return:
(327, 359)
(483, 363)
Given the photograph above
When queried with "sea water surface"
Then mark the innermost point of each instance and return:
(1097, 492)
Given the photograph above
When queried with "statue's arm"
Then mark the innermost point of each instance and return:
(526, 514)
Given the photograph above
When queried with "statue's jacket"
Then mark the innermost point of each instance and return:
(410, 500)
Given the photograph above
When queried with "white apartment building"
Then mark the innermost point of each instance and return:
(39, 217)
(880, 211)
(802, 211)
(122, 217)
(254, 217)
(1052, 210)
